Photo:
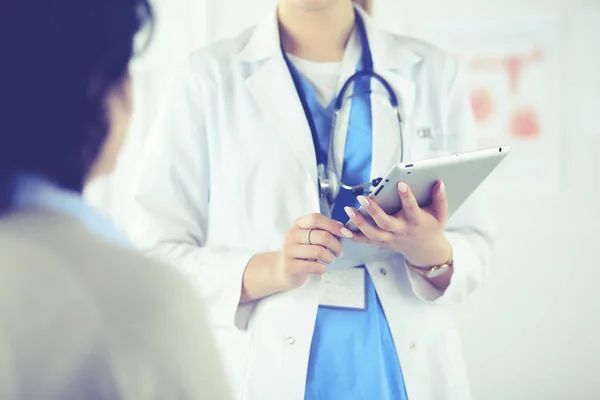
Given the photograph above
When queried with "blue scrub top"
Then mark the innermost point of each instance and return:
(352, 354)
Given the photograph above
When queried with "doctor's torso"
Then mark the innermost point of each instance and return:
(261, 155)
(234, 135)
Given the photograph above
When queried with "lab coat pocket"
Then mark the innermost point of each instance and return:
(456, 364)
(233, 346)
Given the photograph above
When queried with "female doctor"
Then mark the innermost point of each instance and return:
(230, 194)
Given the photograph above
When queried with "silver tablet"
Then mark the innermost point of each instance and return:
(461, 174)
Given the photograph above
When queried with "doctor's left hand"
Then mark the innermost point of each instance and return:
(417, 233)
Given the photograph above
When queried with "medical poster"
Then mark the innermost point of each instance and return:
(513, 77)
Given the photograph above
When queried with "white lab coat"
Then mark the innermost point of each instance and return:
(230, 165)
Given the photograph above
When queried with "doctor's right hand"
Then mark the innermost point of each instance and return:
(310, 245)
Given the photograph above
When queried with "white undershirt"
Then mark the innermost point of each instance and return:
(323, 77)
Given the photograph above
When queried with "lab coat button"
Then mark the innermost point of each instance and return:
(383, 271)
(291, 340)
(413, 346)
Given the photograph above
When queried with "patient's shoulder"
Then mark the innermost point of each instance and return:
(75, 295)
(115, 279)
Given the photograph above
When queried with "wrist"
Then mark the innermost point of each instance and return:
(261, 277)
(274, 272)
(439, 252)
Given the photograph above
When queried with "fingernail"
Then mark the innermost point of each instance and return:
(346, 233)
(402, 187)
(363, 201)
(442, 188)
(350, 212)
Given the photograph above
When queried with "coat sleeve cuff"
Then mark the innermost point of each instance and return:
(468, 273)
(219, 284)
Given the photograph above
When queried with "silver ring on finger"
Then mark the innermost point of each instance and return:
(308, 236)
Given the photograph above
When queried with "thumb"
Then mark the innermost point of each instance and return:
(439, 203)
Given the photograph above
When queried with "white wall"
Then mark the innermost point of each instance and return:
(180, 27)
(231, 16)
(531, 332)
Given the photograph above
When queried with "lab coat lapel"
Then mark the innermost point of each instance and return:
(388, 146)
(273, 89)
(393, 62)
(349, 63)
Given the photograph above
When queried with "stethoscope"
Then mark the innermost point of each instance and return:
(330, 182)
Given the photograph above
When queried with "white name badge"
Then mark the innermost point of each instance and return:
(344, 288)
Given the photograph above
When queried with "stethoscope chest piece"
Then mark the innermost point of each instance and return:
(329, 185)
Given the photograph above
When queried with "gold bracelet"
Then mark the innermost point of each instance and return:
(435, 270)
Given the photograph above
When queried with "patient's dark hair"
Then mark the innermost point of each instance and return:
(59, 59)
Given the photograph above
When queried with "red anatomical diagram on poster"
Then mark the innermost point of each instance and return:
(482, 101)
(520, 117)
(513, 72)
(524, 123)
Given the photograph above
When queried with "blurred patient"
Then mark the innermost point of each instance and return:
(81, 316)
